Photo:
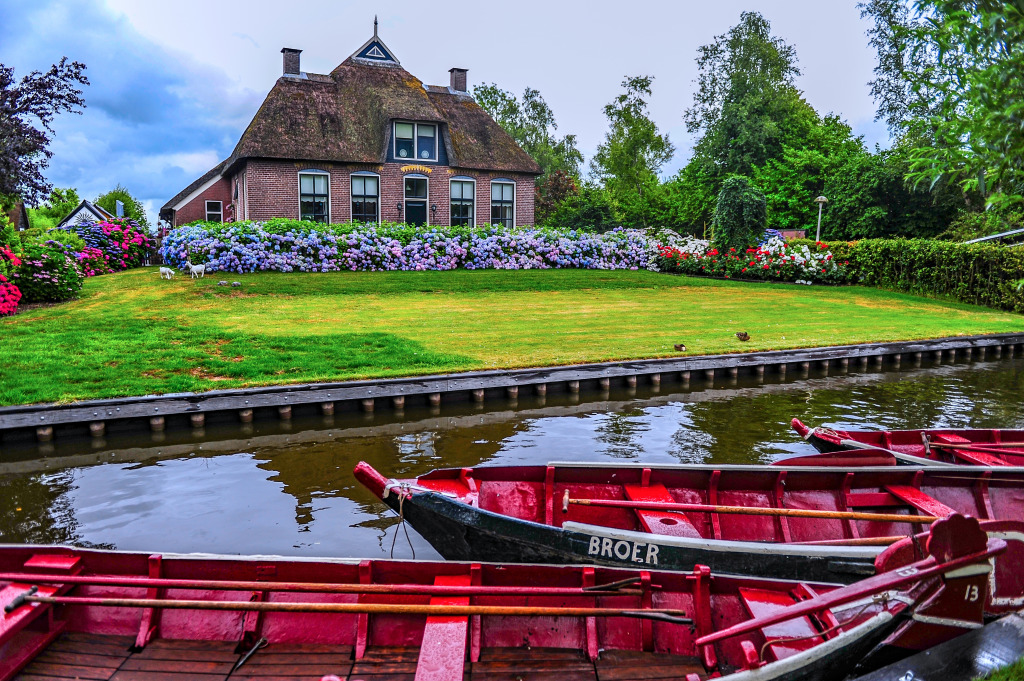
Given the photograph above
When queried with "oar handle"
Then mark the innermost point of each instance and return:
(675, 616)
(21, 599)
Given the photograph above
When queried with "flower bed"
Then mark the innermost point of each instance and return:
(772, 260)
(112, 246)
(287, 246)
(49, 272)
(10, 294)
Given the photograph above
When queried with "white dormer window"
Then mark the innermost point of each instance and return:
(416, 141)
(214, 211)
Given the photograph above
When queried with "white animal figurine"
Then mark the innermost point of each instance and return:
(198, 271)
(166, 273)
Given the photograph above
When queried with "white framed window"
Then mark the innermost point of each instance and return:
(503, 203)
(415, 141)
(365, 197)
(215, 211)
(416, 193)
(315, 195)
(463, 202)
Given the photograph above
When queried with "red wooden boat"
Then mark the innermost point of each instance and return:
(947, 445)
(85, 614)
(822, 524)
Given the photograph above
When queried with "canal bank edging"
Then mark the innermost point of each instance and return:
(158, 412)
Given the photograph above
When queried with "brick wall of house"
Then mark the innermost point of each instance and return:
(196, 208)
(271, 189)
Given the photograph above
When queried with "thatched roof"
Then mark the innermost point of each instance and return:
(345, 116)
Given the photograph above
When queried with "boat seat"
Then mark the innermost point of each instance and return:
(976, 457)
(660, 522)
(919, 500)
(443, 651)
(761, 603)
(23, 622)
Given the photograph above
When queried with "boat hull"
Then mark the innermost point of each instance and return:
(461, 532)
(525, 515)
(971, 447)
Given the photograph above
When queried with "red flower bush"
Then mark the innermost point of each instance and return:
(773, 260)
(10, 295)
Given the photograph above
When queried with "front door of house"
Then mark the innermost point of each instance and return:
(416, 201)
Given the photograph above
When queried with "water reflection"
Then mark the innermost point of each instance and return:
(290, 491)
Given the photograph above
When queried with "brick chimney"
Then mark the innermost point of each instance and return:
(458, 77)
(291, 61)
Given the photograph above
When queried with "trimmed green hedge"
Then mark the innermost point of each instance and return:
(971, 273)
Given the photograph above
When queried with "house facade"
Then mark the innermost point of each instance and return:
(367, 142)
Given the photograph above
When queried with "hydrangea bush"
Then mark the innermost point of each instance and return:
(773, 260)
(120, 241)
(10, 294)
(290, 246)
(49, 272)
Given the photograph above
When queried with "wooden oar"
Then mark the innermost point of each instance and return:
(322, 587)
(907, 458)
(661, 614)
(745, 510)
(861, 541)
(976, 445)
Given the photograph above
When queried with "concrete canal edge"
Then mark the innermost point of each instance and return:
(181, 410)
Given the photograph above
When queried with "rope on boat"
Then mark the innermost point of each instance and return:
(401, 520)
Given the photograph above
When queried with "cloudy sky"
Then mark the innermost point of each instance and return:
(175, 83)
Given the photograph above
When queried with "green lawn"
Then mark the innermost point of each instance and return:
(134, 333)
(1013, 672)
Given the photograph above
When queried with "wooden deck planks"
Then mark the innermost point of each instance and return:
(108, 658)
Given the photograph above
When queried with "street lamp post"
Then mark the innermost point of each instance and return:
(821, 201)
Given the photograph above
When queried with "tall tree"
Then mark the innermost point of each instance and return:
(27, 109)
(531, 123)
(747, 106)
(633, 150)
(792, 181)
(133, 208)
(950, 77)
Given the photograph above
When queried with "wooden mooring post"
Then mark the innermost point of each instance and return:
(157, 413)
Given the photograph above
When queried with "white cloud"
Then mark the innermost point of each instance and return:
(174, 84)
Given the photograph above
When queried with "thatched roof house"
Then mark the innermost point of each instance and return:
(366, 142)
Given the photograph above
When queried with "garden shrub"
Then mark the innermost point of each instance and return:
(9, 261)
(93, 262)
(8, 235)
(10, 296)
(32, 235)
(740, 216)
(9, 293)
(842, 251)
(291, 245)
(774, 260)
(974, 225)
(981, 274)
(122, 243)
(49, 272)
(67, 238)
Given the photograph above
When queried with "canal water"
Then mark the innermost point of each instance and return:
(288, 489)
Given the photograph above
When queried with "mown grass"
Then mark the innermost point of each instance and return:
(1012, 672)
(133, 333)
